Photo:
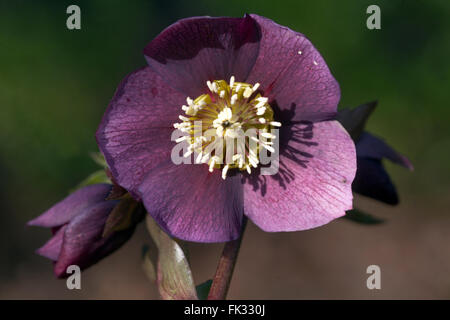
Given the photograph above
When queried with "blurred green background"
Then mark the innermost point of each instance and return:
(55, 84)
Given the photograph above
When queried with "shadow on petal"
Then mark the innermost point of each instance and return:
(296, 141)
(317, 165)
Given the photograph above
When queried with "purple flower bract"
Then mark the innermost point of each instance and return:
(371, 178)
(77, 224)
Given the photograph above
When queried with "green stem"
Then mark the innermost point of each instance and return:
(224, 272)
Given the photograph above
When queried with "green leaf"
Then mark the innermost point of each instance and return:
(121, 217)
(358, 216)
(173, 274)
(99, 176)
(94, 178)
(354, 120)
(99, 159)
(203, 289)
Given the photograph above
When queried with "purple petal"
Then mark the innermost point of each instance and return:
(369, 146)
(83, 244)
(192, 204)
(74, 204)
(293, 74)
(52, 247)
(135, 131)
(372, 180)
(313, 185)
(194, 50)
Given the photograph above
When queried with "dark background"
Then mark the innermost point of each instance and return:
(56, 83)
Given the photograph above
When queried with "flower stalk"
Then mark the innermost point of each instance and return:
(225, 268)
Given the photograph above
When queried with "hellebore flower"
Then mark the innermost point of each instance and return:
(231, 74)
(79, 226)
(371, 178)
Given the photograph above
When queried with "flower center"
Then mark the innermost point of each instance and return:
(228, 126)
